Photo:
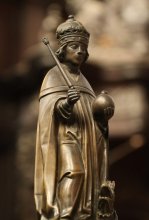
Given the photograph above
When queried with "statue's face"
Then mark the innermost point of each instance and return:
(75, 53)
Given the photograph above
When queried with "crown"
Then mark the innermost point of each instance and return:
(72, 30)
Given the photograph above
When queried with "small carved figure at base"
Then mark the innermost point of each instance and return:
(106, 202)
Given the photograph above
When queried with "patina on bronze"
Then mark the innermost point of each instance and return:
(71, 168)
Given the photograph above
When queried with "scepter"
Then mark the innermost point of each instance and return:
(46, 42)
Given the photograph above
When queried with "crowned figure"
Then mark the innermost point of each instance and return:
(69, 167)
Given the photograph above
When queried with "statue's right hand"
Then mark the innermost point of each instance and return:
(73, 96)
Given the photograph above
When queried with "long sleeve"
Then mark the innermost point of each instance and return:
(63, 109)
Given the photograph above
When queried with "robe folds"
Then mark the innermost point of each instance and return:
(66, 147)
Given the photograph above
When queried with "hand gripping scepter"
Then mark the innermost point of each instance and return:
(46, 42)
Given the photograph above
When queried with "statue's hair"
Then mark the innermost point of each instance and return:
(61, 52)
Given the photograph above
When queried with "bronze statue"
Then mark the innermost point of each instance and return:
(72, 137)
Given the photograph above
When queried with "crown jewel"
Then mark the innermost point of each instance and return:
(72, 30)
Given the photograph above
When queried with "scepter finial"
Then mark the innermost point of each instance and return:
(45, 40)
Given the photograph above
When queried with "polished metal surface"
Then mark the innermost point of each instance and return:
(71, 170)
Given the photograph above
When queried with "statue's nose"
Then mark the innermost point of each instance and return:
(79, 51)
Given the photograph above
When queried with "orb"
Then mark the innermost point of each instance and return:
(103, 107)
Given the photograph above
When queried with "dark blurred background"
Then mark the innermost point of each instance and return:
(118, 63)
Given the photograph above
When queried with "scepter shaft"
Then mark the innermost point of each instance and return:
(46, 42)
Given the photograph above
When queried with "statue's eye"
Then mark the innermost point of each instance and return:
(74, 46)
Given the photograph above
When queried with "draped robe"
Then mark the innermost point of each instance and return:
(67, 146)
